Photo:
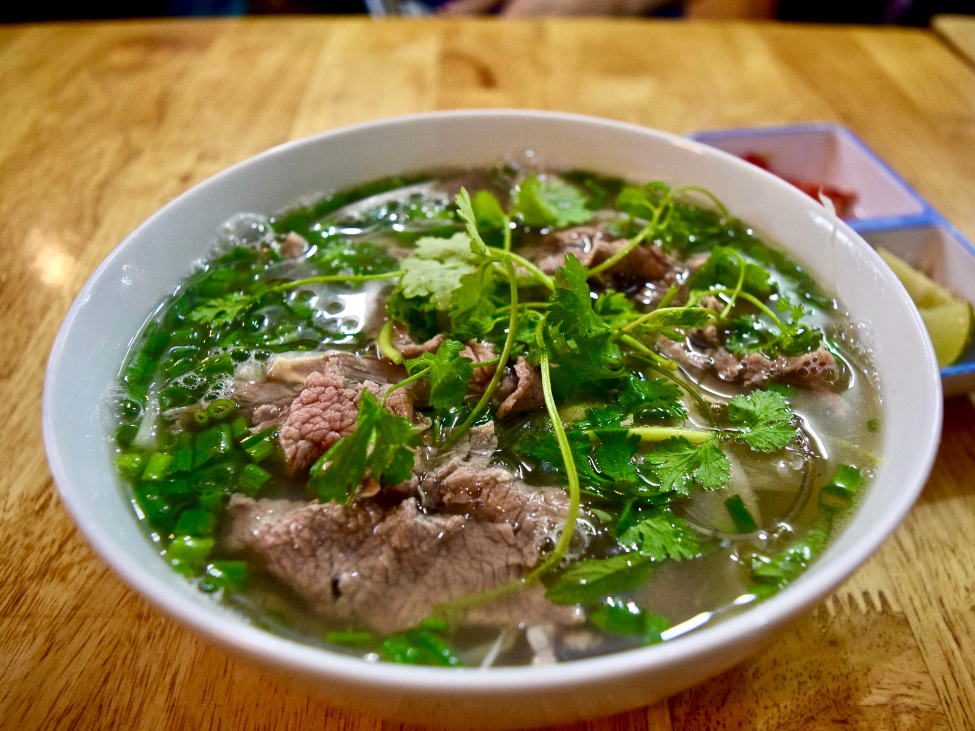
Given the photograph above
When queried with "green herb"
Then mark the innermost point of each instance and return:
(626, 618)
(723, 267)
(765, 418)
(418, 647)
(679, 464)
(221, 310)
(786, 565)
(657, 399)
(663, 535)
(841, 490)
(349, 639)
(188, 554)
(434, 270)
(379, 447)
(587, 581)
(227, 575)
(551, 202)
(472, 309)
(447, 371)
(487, 211)
(743, 520)
(614, 456)
(795, 337)
(873, 425)
(348, 258)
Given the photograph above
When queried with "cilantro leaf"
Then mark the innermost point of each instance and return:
(765, 419)
(551, 202)
(337, 474)
(663, 535)
(579, 340)
(626, 618)
(345, 257)
(796, 337)
(615, 308)
(447, 371)
(221, 310)
(787, 564)
(418, 646)
(435, 268)
(487, 211)
(642, 202)
(466, 211)
(586, 582)
(724, 267)
(656, 399)
(472, 310)
(679, 464)
(614, 455)
(599, 417)
(747, 334)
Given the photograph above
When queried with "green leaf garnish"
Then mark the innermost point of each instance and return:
(447, 371)
(551, 202)
(656, 399)
(765, 419)
(679, 464)
(586, 582)
(663, 535)
(221, 310)
(337, 474)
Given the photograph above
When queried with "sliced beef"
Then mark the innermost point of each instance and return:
(591, 245)
(480, 352)
(479, 528)
(816, 370)
(324, 412)
(296, 367)
(399, 402)
(521, 391)
(263, 403)
(294, 246)
(409, 348)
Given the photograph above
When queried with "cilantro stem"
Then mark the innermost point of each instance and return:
(668, 296)
(634, 242)
(405, 382)
(507, 234)
(385, 343)
(657, 359)
(703, 191)
(660, 433)
(572, 476)
(688, 388)
(741, 283)
(502, 361)
(649, 316)
(523, 262)
(332, 278)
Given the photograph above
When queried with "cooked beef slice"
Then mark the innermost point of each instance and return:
(479, 352)
(409, 348)
(521, 391)
(294, 246)
(296, 367)
(324, 412)
(591, 245)
(389, 567)
(264, 402)
(816, 370)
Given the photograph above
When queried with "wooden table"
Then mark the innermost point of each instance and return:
(959, 32)
(101, 124)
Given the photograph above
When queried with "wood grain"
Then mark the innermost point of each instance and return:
(959, 32)
(103, 123)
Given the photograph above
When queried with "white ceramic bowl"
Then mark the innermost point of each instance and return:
(144, 268)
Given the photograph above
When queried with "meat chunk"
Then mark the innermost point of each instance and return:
(523, 392)
(816, 370)
(480, 528)
(591, 245)
(294, 246)
(264, 402)
(409, 348)
(296, 367)
(324, 412)
(480, 352)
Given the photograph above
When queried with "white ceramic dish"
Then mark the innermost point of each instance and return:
(126, 287)
(830, 154)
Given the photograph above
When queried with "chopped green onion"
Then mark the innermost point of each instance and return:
(183, 456)
(227, 575)
(221, 408)
(154, 508)
(239, 427)
(252, 479)
(255, 438)
(157, 468)
(202, 417)
(187, 554)
(349, 639)
(197, 522)
(260, 451)
(839, 493)
(743, 520)
(214, 442)
(131, 464)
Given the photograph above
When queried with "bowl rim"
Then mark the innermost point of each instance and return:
(308, 661)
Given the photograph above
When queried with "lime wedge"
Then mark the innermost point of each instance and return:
(949, 319)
